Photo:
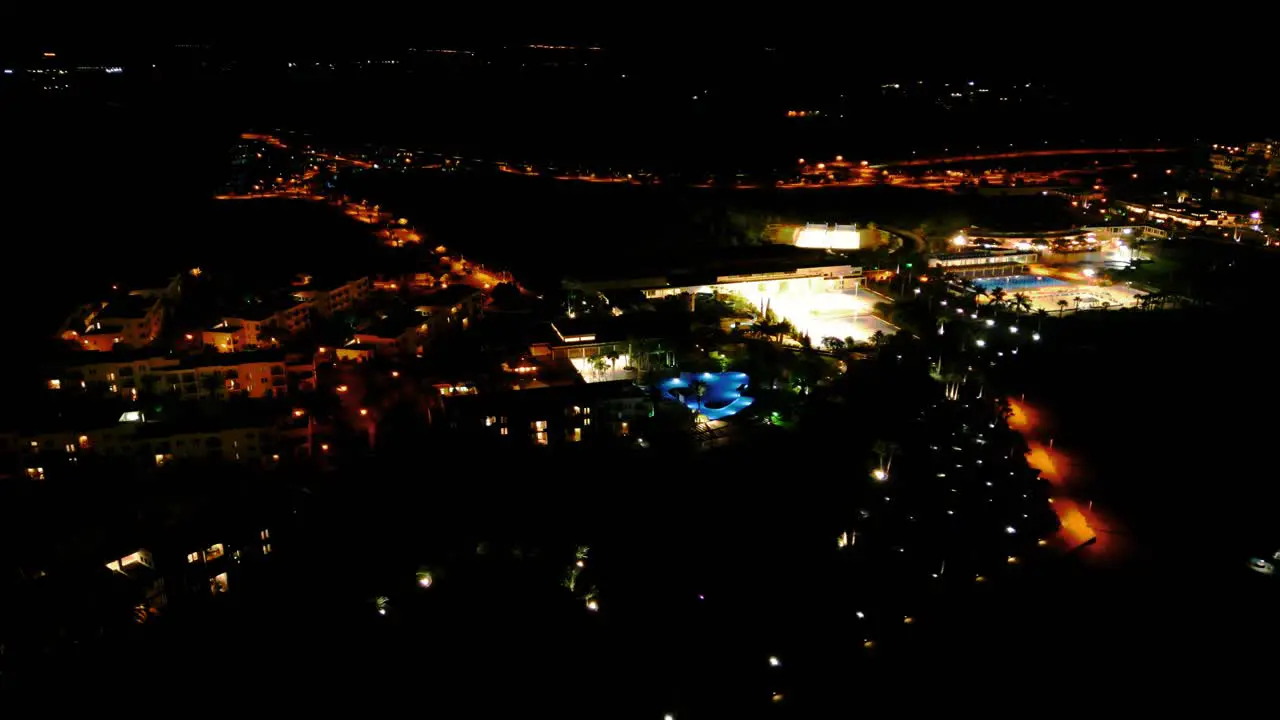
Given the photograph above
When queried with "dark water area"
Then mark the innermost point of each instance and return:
(1167, 413)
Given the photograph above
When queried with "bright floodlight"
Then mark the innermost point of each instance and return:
(593, 606)
(990, 322)
(1035, 336)
(819, 235)
(879, 474)
(980, 342)
(1090, 272)
(959, 240)
(1013, 328)
(774, 661)
(1010, 529)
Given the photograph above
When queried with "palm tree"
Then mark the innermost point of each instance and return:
(1078, 300)
(598, 365)
(700, 390)
(1106, 305)
(1062, 307)
(878, 338)
(1021, 302)
(612, 357)
(997, 297)
(1041, 314)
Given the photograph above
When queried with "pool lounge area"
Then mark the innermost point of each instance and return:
(723, 397)
(1019, 283)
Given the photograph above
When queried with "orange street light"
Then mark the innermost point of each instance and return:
(364, 411)
(341, 388)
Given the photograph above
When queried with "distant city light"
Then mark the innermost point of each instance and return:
(774, 661)
(1011, 530)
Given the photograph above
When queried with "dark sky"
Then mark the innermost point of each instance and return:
(1222, 44)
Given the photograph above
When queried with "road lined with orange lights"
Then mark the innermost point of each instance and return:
(1081, 522)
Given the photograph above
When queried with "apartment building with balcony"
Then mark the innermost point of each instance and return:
(206, 375)
(131, 437)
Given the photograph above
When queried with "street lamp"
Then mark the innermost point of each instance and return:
(879, 474)
(980, 342)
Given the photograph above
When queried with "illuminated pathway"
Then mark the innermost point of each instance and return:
(1081, 522)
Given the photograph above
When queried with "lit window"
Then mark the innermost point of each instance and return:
(193, 557)
(55, 384)
(265, 534)
(502, 431)
(586, 411)
(214, 552)
(162, 459)
(586, 422)
(111, 377)
(84, 442)
(35, 473)
(540, 438)
(71, 448)
(540, 425)
(113, 388)
(35, 443)
(141, 557)
(218, 584)
(489, 421)
(266, 548)
(577, 434)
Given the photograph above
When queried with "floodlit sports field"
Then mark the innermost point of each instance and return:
(822, 312)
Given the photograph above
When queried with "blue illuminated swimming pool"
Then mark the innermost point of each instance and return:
(723, 397)
(1017, 283)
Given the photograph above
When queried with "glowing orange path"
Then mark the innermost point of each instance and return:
(1080, 522)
